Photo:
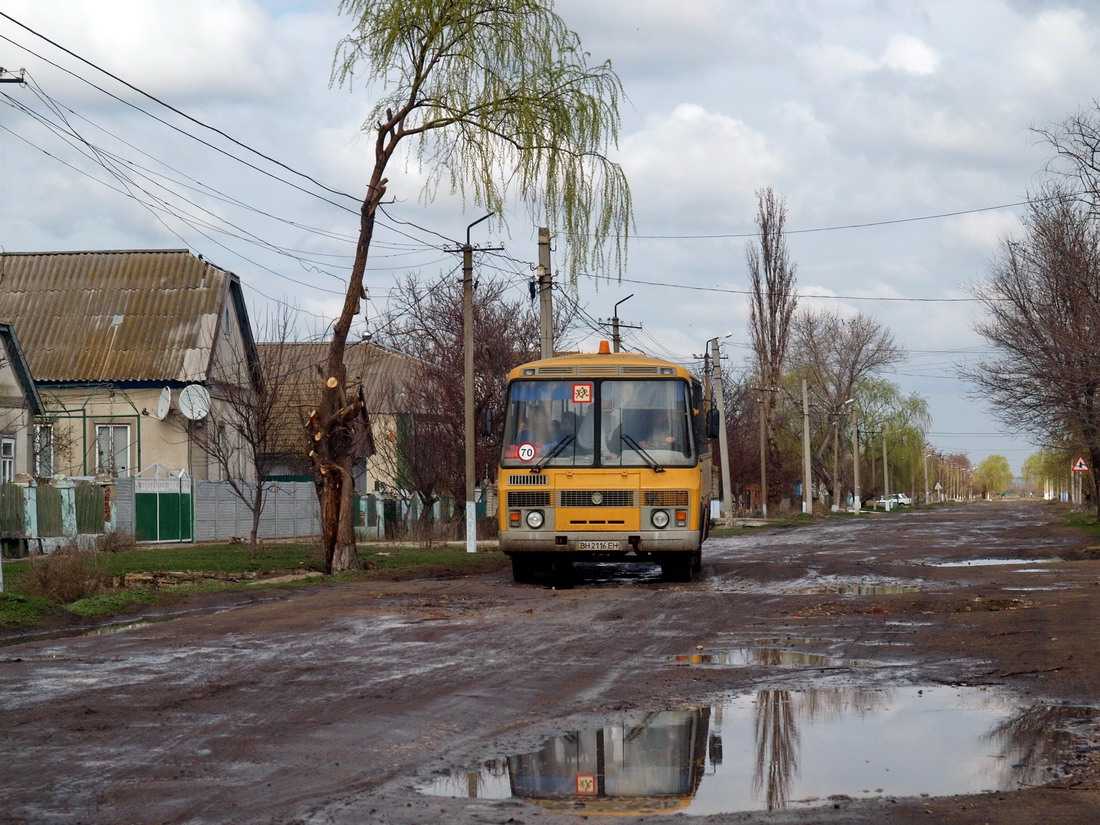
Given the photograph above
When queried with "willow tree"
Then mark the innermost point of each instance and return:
(993, 476)
(495, 100)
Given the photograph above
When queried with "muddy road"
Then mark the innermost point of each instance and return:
(926, 666)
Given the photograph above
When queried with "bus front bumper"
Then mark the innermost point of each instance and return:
(640, 542)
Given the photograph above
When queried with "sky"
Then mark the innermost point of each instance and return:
(900, 135)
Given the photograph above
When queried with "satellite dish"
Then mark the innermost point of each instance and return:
(164, 404)
(194, 401)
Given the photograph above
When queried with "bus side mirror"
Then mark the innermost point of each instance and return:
(712, 423)
(486, 422)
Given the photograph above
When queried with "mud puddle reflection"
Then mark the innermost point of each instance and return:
(995, 563)
(778, 749)
(765, 656)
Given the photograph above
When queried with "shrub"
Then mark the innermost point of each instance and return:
(115, 542)
(67, 574)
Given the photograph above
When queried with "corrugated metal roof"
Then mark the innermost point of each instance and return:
(383, 373)
(122, 316)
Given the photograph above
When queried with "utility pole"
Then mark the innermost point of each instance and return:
(467, 251)
(764, 449)
(885, 472)
(807, 499)
(723, 442)
(616, 339)
(855, 462)
(546, 298)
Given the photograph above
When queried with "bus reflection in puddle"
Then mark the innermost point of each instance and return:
(777, 749)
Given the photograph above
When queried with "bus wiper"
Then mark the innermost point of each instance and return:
(650, 460)
(561, 445)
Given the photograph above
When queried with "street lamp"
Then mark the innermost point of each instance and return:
(723, 442)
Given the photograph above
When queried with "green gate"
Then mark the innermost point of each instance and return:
(163, 508)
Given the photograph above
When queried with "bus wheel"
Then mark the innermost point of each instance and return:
(677, 567)
(525, 567)
(561, 572)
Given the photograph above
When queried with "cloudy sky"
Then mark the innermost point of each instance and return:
(899, 133)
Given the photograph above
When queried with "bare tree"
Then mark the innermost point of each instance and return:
(837, 355)
(497, 98)
(243, 430)
(772, 306)
(1042, 314)
(425, 321)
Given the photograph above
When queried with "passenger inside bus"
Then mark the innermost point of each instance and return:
(649, 429)
(535, 428)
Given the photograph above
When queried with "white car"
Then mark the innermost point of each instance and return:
(897, 500)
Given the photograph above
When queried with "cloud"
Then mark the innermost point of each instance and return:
(694, 162)
(909, 55)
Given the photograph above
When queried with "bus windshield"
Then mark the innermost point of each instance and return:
(610, 422)
(645, 422)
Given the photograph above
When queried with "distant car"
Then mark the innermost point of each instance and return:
(897, 500)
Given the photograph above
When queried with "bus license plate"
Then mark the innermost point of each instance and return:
(599, 545)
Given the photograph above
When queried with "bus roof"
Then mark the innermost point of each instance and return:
(597, 364)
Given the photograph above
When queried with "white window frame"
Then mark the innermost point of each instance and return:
(7, 459)
(109, 463)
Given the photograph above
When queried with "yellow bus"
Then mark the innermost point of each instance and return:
(605, 457)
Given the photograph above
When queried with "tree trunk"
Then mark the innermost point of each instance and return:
(257, 510)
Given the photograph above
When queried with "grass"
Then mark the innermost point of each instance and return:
(1085, 521)
(19, 610)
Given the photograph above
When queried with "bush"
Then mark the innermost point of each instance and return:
(115, 542)
(66, 575)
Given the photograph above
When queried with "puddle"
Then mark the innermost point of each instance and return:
(767, 656)
(778, 749)
(993, 563)
(607, 574)
(819, 586)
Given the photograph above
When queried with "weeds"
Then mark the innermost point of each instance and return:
(65, 575)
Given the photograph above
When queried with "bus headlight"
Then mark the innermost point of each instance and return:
(535, 519)
(659, 519)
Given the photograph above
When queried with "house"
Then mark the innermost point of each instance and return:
(20, 406)
(384, 375)
(131, 352)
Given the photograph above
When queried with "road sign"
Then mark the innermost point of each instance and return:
(1079, 466)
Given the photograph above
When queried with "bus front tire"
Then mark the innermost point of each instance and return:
(679, 567)
(526, 567)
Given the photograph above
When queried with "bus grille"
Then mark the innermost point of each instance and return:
(606, 498)
(528, 498)
(528, 480)
(667, 498)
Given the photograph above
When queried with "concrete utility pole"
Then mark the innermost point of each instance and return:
(723, 442)
(807, 498)
(468, 375)
(885, 472)
(546, 296)
(616, 339)
(855, 462)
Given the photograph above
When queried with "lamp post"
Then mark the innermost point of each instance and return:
(723, 443)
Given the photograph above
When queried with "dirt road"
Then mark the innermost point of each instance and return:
(796, 650)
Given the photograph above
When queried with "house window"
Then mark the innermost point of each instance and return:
(113, 449)
(7, 459)
(43, 450)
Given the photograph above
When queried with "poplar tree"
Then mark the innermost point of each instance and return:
(496, 101)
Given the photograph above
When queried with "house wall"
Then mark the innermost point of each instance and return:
(78, 413)
(15, 419)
